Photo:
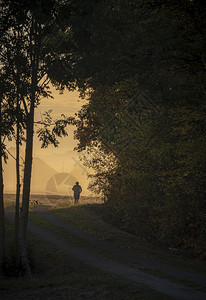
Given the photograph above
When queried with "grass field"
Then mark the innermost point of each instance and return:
(57, 276)
(89, 215)
(54, 200)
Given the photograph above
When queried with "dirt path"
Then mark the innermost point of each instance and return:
(133, 273)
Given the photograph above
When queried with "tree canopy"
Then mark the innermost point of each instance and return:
(142, 67)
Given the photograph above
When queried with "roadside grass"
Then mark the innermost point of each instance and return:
(173, 278)
(68, 236)
(98, 250)
(76, 240)
(58, 276)
(91, 218)
(9, 199)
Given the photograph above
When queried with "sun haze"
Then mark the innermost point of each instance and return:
(51, 161)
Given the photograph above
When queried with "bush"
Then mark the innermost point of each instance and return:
(158, 191)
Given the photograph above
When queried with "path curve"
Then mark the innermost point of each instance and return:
(161, 285)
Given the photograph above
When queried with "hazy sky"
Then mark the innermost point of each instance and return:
(49, 161)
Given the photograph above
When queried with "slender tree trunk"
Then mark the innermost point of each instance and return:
(35, 51)
(18, 184)
(2, 222)
(27, 177)
(26, 191)
(18, 187)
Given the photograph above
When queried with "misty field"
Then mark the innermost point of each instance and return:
(54, 200)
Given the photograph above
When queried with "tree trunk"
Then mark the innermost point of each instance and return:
(2, 222)
(35, 51)
(18, 184)
(26, 191)
(18, 187)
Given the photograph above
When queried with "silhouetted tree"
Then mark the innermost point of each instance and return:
(6, 130)
(33, 46)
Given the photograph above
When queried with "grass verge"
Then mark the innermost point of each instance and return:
(90, 218)
(57, 276)
(98, 250)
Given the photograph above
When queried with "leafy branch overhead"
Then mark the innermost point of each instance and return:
(52, 130)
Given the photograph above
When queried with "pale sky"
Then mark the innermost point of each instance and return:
(51, 161)
(63, 158)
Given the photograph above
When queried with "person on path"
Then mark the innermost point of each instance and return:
(77, 191)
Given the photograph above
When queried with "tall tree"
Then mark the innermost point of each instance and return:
(33, 47)
(6, 130)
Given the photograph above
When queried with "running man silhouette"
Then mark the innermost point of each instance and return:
(77, 191)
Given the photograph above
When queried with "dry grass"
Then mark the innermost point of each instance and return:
(57, 276)
(54, 200)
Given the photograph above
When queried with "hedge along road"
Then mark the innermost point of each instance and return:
(164, 286)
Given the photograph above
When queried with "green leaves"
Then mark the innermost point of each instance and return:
(52, 130)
